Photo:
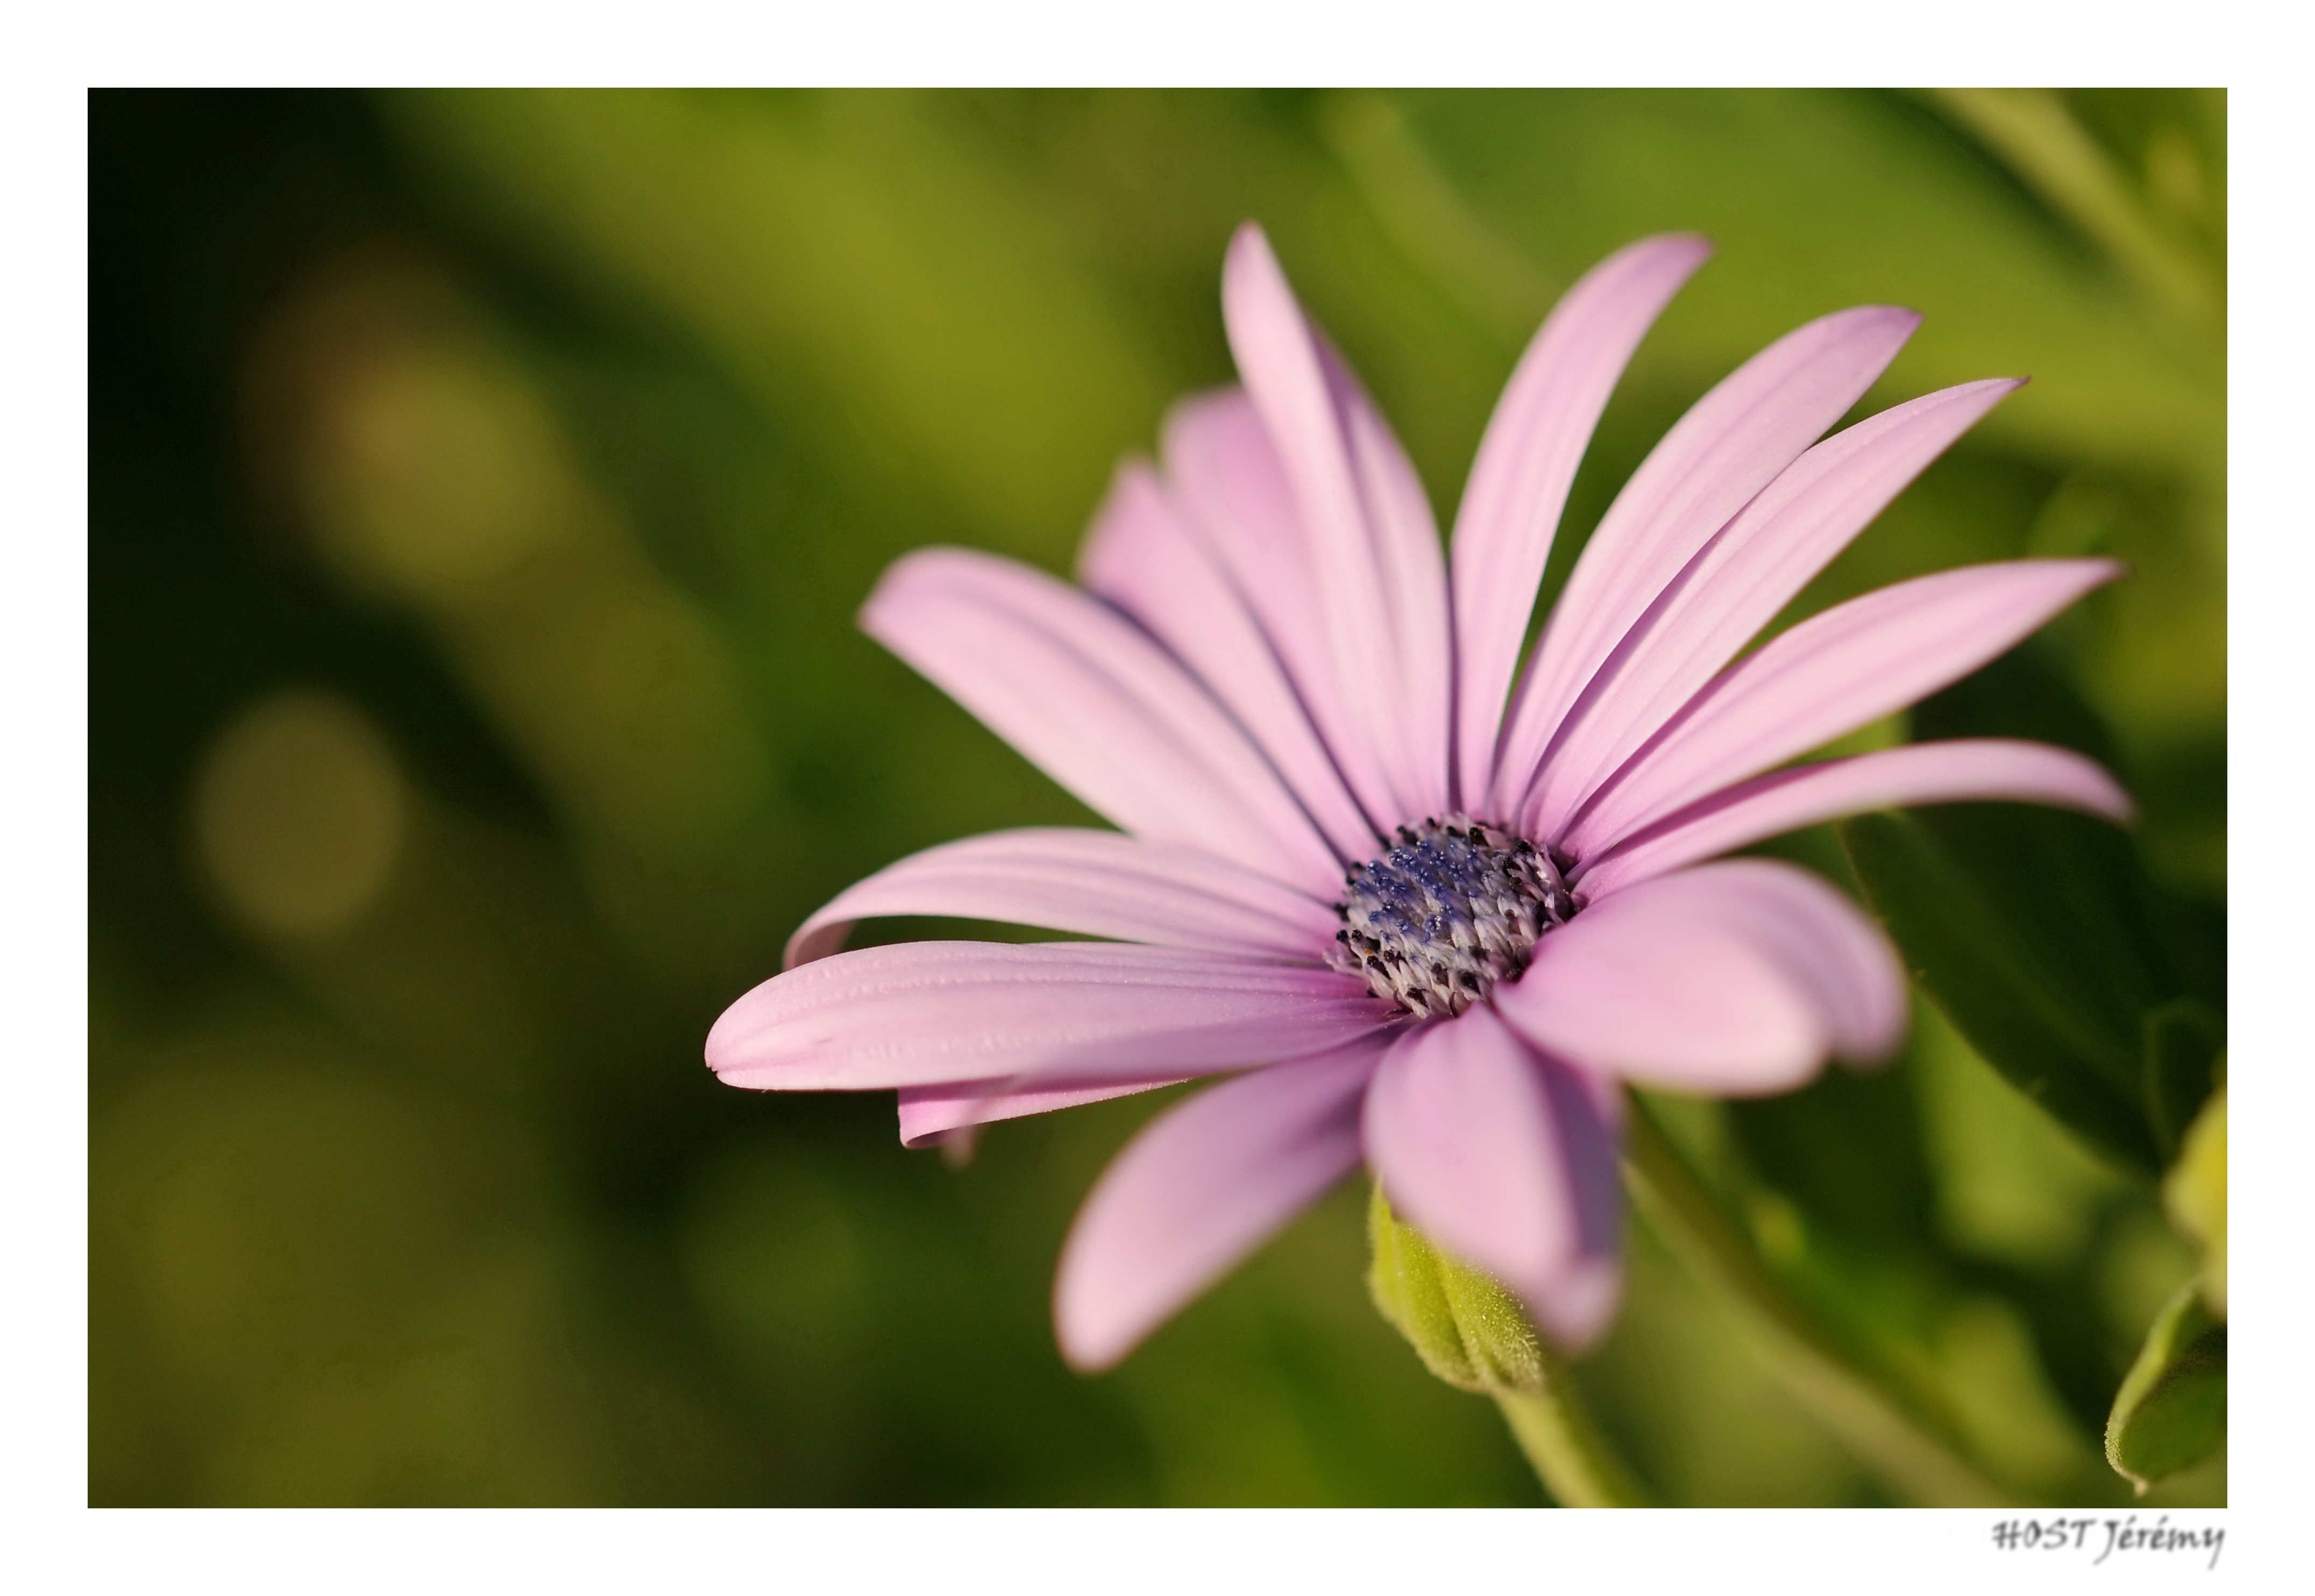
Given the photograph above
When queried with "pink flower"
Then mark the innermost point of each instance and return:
(1434, 918)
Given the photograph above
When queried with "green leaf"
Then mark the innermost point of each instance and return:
(2004, 979)
(1848, 1148)
(2171, 1411)
(2041, 936)
(2115, 916)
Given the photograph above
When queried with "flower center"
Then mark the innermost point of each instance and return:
(1438, 920)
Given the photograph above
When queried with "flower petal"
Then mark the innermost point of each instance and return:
(1090, 883)
(1735, 977)
(1382, 585)
(1231, 486)
(1413, 571)
(1506, 1159)
(1097, 705)
(1199, 1188)
(928, 1113)
(1740, 581)
(1144, 556)
(1983, 769)
(1068, 1014)
(1519, 479)
(1827, 677)
(1729, 445)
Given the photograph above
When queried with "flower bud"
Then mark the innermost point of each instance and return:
(1470, 1331)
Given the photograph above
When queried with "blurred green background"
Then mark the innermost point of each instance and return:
(481, 487)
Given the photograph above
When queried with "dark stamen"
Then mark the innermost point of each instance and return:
(1435, 922)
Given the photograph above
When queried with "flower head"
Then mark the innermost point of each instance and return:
(1430, 910)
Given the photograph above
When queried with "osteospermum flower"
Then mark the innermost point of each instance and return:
(1434, 908)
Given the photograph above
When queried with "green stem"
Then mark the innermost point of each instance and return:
(1884, 1429)
(1574, 1459)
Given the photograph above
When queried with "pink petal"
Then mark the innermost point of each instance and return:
(1507, 1159)
(1729, 445)
(1520, 479)
(1734, 978)
(928, 1113)
(1097, 705)
(1827, 677)
(1075, 1014)
(1090, 883)
(1381, 580)
(1987, 769)
(1413, 574)
(1741, 580)
(1144, 558)
(1199, 1188)
(1231, 487)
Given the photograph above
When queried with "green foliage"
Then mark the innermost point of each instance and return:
(2002, 985)
(2171, 1411)
(2042, 935)
(1849, 1149)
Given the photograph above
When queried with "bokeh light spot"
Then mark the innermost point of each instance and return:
(299, 814)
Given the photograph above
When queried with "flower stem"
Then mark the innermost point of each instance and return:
(1570, 1454)
(1884, 1428)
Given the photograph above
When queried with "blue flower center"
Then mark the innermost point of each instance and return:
(1455, 908)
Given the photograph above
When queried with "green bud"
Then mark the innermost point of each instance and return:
(1468, 1330)
(2195, 1195)
(1474, 1333)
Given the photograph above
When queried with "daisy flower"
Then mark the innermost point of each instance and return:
(1428, 910)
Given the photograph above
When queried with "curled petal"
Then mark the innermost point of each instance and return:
(1827, 677)
(1732, 978)
(1089, 883)
(1728, 446)
(1526, 462)
(1964, 769)
(1506, 1158)
(1097, 705)
(1199, 1188)
(1068, 1014)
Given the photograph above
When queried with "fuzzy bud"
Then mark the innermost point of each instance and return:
(1470, 1331)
